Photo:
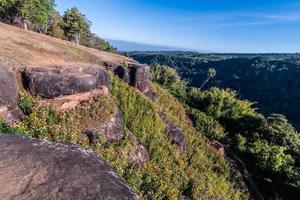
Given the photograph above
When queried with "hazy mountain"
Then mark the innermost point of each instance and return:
(135, 46)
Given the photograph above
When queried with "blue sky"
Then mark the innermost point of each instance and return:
(213, 25)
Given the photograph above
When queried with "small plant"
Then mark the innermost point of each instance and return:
(3, 126)
(26, 103)
(125, 64)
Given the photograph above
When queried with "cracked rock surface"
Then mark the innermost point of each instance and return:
(34, 169)
(52, 82)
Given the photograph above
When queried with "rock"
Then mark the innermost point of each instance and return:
(92, 135)
(136, 75)
(238, 167)
(122, 73)
(64, 81)
(138, 154)
(114, 129)
(9, 109)
(140, 77)
(72, 101)
(177, 135)
(104, 92)
(33, 169)
(217, 145)
(119, 70)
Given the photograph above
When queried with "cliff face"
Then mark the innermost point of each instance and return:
(106, 103)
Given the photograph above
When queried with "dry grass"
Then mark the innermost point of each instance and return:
(21, 48)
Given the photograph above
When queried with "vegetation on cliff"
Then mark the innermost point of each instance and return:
(269, 146)
(170, 173)
(270, 80)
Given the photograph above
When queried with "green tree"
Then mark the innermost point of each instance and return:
(55, 29)
(37, 12)
(9, 10)
(74, 24)
(169, 78)
(210, 74)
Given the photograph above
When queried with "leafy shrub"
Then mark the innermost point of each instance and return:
(197, 172)
(26, 103)
(207, 125)
(168, 77)
(3, 127)
(269, 146)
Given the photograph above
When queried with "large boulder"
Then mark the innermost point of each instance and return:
(52, 82)
(113, 130)
(135, 74)
(138, 153)
(33, 169)
(140, 77)
(178, 138)
(9, 110)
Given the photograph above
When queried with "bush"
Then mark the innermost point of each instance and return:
(168, 78)
(26, 103)
(207, 125)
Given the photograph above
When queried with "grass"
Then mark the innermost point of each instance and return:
(21, 48)
(199, 171)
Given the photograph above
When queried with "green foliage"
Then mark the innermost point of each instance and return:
(170, 172)
(74, 22)
(207, 125)
(3, 127)
(45, 19)
(37, 12)
(220, 104)
(269, 146)
(211, 73)
(26, 103)
(271, 143)
(199, 171)
(269, 79)
(270, 157)
(55, 28)
(168, 77)
(9, 9)
(93, 41)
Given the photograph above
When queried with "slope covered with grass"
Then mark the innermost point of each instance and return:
(198, 171)
(23, 48)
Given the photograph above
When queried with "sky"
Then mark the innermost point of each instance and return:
(225, 26)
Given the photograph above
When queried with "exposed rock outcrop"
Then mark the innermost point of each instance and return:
(56, 81)
(33, 169)
(122, 72)
(9, 109)
(114, 129)
(72, 101)
(239, 166)
(138, 154)
(177, 135)
(135, 74)
(140, 77)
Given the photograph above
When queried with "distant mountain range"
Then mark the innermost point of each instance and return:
(135, 46)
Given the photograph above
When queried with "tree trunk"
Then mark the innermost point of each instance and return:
(24, 25)
(204, 83)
